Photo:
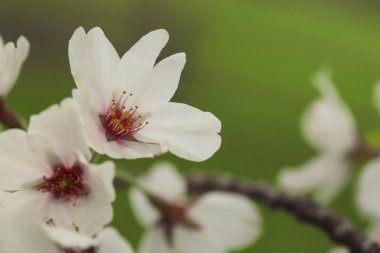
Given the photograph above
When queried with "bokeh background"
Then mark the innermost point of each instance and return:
(249, 62)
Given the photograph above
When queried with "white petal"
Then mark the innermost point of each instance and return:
(27, 204)
(328, 124)
(95, 65)
(101, 178)
(131, 149)
(61, 126)
(144, 211)
(92, 212)
(183, 130)
(140, 59)
(20, 236)
(376, 97)
(231, 219)
(190, 241)
(184, 241)
(368, 190)
(68, 238)
(324, 175)
(111, 241)
(162, 180)
(154, 242)
(83, 215)
(374, 231)
(11, 60)
(18, 164)
(339, 250)
(161, 83)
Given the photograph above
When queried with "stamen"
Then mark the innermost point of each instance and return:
(64, 183)
(121, 121)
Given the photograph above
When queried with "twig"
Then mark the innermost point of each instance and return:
(337, 228)
(9, 118)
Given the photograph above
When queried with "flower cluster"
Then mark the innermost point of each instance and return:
(55, 198)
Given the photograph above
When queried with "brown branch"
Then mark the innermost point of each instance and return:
(303, 208)
(8, 117)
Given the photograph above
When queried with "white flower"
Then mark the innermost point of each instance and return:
(368, 191)
(11, 60)
(124, 102)
(367, 199)
(46, 176)
(330, 128)
(22, 237)
(213, 223)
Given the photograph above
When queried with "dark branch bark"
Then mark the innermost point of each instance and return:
(304, 209)
(9, 118)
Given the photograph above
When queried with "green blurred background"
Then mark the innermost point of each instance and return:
(249, 62)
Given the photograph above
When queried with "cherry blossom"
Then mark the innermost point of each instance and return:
(330, 128)
(124, 102)
(45, 173)
(25, 236)
(214, 222)
(11, 60)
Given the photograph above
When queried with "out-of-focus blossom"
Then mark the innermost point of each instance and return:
(330, 128)
(368, 195)
(27, 237)
(339, 250)
(124, 102)
(11, 60)
(215, 222)
(368, 201)
(45, 174)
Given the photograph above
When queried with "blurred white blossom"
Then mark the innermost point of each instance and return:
(27, 237)
(368, 195)
(330, 128)
(45, 173)
(368, 201)
(339, 250)
(124, 102)
(11, 60)
(215, 222)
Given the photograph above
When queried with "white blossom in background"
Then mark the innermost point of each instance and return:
(330, 128)
(215, 222)
(27, 237)
(45, 173)
(368, 196)
(368, 200)
(339, 250)
(376, 97)
(124, 102)
(11, 59)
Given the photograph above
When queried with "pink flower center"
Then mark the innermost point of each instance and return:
(121, 122)
(173, 214)
(64, 183)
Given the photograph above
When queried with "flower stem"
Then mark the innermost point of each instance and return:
(131, 179)
(8, 117)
